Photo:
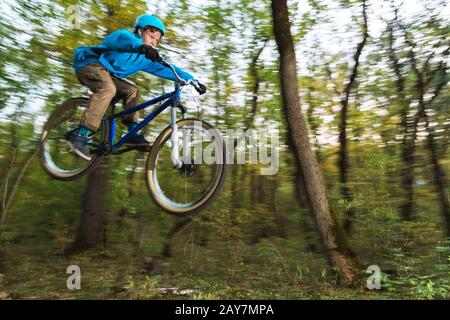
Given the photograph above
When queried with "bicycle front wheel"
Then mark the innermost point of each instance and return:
(186, 190)
(57, 157)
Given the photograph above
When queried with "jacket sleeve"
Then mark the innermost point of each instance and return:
(161, 71)
(122, 41)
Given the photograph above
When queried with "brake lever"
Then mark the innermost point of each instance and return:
(191, 82)
(161, 61)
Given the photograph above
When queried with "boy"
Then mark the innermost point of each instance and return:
(102, 69)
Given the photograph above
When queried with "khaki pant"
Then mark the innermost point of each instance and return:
(106, 90)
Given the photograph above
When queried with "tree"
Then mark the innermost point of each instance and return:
(91, 231)
(338, 253)
(409, 127)
(343, 140)
(423, 78)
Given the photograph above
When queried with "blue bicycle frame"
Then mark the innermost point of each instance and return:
(172, 99)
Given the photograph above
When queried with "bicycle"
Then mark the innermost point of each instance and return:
(181, 185)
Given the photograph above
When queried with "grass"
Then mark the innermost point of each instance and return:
(114, 274)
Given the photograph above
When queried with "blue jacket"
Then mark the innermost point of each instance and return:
(118, 54)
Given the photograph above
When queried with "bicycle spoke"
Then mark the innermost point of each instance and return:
(183, 188)
(58, 156)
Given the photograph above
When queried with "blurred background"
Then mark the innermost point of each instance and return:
(373, 83)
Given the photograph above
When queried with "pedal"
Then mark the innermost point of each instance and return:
(146, 148)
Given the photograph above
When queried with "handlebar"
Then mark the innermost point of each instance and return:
(181, 80)
(168, 65)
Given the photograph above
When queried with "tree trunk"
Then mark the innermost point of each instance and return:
(421, 84)
(279, 220)
(178, 227)
(91, 232)
(438, 172)
(253, 70)
(131, 186)
(338, 253)
(343, 151)
(409, 134)
(314, 126)
(438, 176)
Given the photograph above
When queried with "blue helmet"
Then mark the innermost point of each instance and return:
(147, 20)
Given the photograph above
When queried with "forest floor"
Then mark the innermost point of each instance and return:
(197, 274)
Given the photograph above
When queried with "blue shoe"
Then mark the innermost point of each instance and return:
(79, 144)
(138, 140)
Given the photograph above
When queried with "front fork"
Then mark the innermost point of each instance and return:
(177, 163)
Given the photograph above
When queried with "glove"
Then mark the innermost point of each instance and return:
(150, 53)
(201, 88)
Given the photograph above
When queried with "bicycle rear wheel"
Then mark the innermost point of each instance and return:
(186, 190)
(57, 156)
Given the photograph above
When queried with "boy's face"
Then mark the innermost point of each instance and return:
(151, 36)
